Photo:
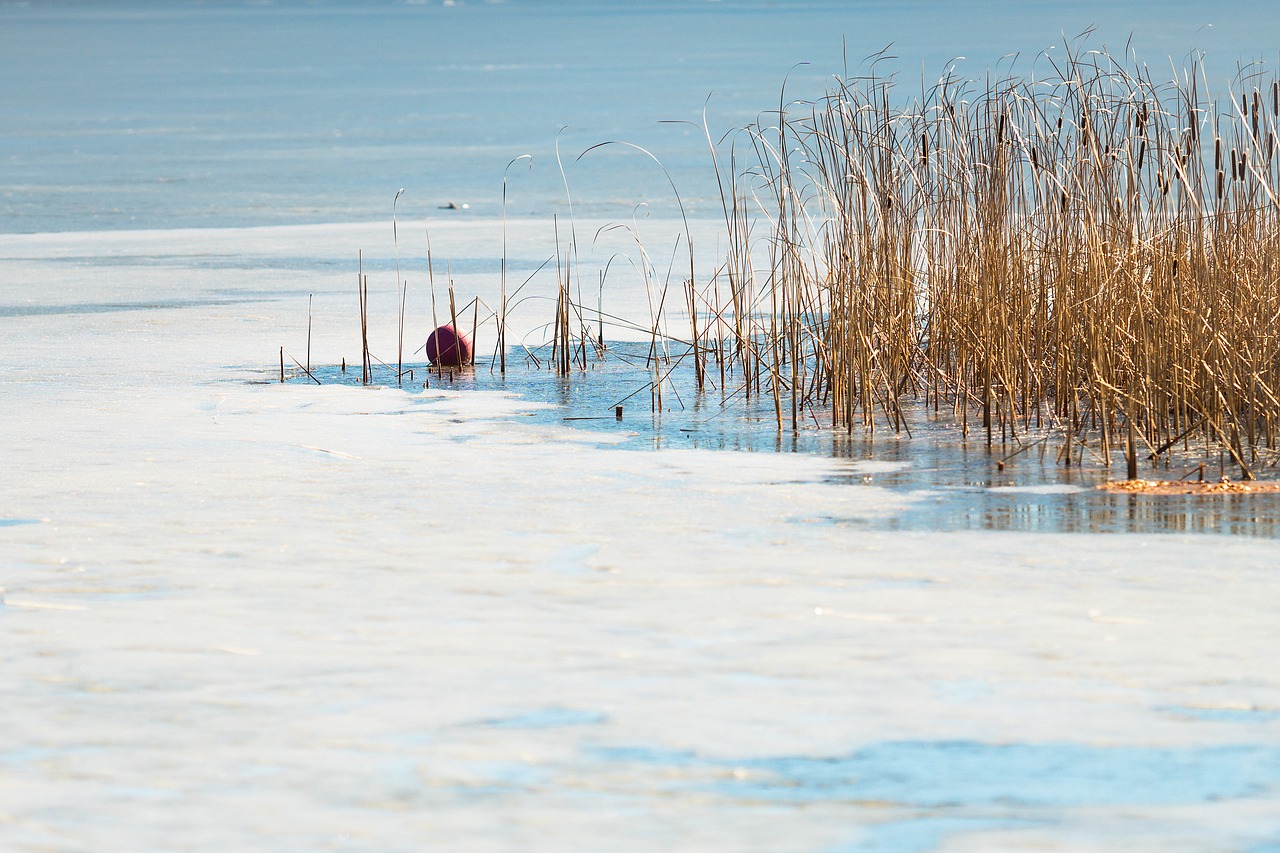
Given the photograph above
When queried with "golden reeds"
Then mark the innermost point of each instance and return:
(1088, 254)
(1090, 251)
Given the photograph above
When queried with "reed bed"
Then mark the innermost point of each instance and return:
(1092, 252)
(1090, 255)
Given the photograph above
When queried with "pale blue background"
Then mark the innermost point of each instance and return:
(166, 114)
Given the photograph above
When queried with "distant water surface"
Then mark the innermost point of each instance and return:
(142, 114)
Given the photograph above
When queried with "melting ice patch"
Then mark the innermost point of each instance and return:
(546, 718)
(936, 774)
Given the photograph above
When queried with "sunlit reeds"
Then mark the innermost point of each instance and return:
(1092, 250)
(1088, 255)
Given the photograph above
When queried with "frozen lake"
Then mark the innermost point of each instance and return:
(241, 614)
(246, 614)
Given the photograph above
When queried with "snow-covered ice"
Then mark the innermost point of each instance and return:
(240, 614)
(245, 615)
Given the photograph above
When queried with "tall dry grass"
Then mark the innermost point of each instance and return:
(1089, 253)
(1091, 250)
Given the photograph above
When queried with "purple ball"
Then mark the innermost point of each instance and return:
(447, 347)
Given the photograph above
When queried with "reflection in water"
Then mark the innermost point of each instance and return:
(956, 481)
(1094, 511)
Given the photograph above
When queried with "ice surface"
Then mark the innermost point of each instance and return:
(245, 615)
(240, 614)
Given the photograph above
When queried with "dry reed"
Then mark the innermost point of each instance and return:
(1091, 251)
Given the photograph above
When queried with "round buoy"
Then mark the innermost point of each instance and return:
(447, 347)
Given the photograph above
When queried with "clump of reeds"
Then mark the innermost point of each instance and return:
(1092, 251)
(1089, 254)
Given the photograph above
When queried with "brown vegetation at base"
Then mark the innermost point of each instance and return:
(1181, 487)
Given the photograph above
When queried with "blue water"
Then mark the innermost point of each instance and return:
(956, 480)
(157, 114)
